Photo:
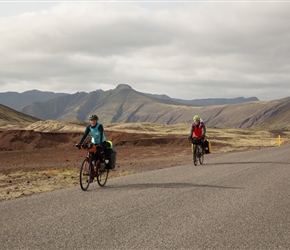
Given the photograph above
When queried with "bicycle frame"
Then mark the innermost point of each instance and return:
(89, 171)
(197, 154)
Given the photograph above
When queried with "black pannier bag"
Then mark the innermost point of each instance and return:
(207, 146)
(110, 157)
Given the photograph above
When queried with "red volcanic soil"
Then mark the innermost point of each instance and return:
(47, 149)
(12, 140)
(23, 152)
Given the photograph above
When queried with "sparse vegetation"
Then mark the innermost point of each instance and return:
(27, 172)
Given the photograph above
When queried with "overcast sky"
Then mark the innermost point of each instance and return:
(186, 50)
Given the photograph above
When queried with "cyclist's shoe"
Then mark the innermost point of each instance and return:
(91, 179)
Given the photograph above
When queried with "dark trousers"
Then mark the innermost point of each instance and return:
(198, 141)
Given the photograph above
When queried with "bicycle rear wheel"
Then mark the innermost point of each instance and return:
(85, 175)
(200, 155)
(102, 175)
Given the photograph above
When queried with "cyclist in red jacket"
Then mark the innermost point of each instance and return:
(197, 132)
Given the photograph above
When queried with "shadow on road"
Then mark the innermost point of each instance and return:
(169, 185)
(251, 162)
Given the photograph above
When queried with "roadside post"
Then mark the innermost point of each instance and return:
(278, 140)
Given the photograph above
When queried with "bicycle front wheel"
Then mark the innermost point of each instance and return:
(85, 175)
(102, 176)
(195, 150)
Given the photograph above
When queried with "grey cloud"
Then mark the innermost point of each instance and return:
(226, 49)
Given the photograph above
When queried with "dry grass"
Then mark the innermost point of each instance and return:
(229, 139)
(21, 183)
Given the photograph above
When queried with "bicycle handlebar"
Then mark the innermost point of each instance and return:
(87, 146)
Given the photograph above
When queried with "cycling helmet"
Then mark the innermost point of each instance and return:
(93, 117)
(196, 117)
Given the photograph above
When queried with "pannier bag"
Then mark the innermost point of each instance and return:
(207, 146)
(109, 144)
(110, 157)
(192, 148)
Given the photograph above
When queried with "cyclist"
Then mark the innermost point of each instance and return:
(197, 132)
(96, 131)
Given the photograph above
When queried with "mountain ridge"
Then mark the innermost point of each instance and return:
(126, 105)
(18, 101)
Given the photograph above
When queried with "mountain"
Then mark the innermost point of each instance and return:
(17, 100)
(118, 105)
(125, 105)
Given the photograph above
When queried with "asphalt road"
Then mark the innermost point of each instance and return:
(234, 201)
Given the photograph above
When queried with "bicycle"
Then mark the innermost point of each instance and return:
(198, 154)
(92, 168)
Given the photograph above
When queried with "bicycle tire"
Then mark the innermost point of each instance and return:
(85, 175)
(102, 176)
(194, 155)
(200, 155)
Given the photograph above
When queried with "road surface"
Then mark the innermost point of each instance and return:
(233, 201)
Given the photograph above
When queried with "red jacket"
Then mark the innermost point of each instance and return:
(197, 131)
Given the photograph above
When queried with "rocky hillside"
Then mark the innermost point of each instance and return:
(10, 117)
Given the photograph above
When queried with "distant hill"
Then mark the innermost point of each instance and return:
(10, 117)
(17, 100)
(125, 105)
(207, 101)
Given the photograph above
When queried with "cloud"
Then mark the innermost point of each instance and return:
(185, 50)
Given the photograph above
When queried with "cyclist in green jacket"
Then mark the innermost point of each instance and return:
(96, 130)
